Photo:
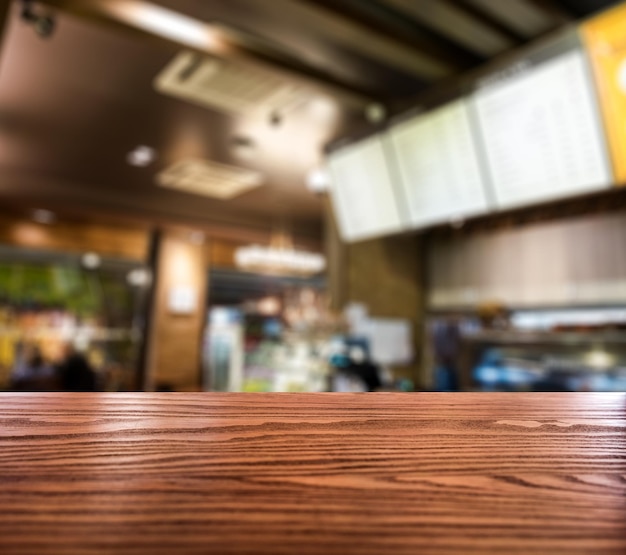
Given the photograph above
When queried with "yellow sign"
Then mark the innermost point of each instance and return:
(605, 37)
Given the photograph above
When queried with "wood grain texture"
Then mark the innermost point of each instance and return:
(301, 473)
(175, 341)
(115, 241)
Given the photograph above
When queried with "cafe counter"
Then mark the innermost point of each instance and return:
(374, 473)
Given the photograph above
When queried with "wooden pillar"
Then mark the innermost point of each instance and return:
(178, 314)
(148, 303)
(336, 252)
(5, 13)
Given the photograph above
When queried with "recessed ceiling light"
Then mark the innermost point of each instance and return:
(44, 217)
(141, 156)
(318, 180)
(168, 24)
(243, 147)
(276, 119)
(375, 113)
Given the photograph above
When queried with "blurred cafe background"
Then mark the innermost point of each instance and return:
(313, 195)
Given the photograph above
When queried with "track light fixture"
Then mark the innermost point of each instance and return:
(43, 23)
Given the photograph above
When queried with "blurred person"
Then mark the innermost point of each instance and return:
(75, 373)
(32, 373)
(363, 368)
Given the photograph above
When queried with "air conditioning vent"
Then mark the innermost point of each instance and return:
(228, 86)
(207, 178)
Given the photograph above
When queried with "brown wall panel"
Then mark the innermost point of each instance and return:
(122, 242)
(386, 275)
(175, 342)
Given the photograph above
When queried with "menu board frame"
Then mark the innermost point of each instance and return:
(341, 205)
(505, 68)
(424, 119)
(524, 64)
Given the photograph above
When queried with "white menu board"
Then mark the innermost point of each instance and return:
(362, 191)
(542, 133)
(439, 167)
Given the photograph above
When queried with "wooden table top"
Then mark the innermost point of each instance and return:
(313, 473)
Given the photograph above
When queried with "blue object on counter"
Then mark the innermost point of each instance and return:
(340, 361)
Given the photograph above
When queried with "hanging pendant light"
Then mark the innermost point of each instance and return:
(280, 257)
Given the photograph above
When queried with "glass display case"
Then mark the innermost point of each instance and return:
(577, 349)
(54, 300)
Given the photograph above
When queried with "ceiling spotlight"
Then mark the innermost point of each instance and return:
(44, 217)
(243, 146)
(276, 119)
(318, 181)
(375, 113)
(91, 260)
(141, 156)
(243, 142)
(43, 24)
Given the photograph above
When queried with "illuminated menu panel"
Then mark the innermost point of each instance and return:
(362, 191)
(606, 43)
(542, 133)
(439, 166)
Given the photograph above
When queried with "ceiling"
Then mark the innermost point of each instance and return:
(73, 105)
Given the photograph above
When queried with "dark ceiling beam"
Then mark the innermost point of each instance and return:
(5, 9)
(99, 12)
(394, 26)
(489, 20)
(415, 11)
(555, 10)
(333, 26)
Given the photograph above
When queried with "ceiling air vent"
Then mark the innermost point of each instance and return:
(228, 86)
(207, 178)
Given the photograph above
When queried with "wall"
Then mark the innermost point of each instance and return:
(176, 339)
(386, 275)
(573, 261)
(122, 242)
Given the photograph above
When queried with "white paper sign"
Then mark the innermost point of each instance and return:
(182, 300)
